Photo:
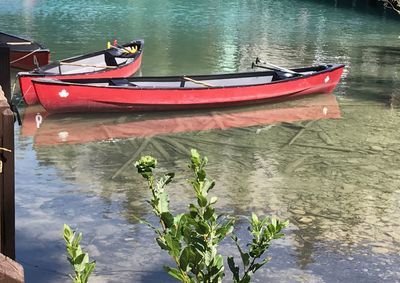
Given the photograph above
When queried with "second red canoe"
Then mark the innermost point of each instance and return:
(116, 61)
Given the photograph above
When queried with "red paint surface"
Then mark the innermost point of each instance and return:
(89, 98)
(29, 93)
(27, 63)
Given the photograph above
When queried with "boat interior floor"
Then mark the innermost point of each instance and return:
(85, 65)
(226, 82)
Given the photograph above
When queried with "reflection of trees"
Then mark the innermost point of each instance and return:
(370, 6)
(377, 66)
(393, 4)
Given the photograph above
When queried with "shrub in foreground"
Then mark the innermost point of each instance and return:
(192, 238)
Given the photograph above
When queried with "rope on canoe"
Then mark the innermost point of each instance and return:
(23, 57)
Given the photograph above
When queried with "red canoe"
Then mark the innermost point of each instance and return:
(66, 129)
(177, 93)
(121, 61)
(25, 54)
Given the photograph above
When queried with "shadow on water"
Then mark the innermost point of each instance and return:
(50, 251)
(373, 74)
(53, 265)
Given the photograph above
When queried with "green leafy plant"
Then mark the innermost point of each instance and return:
(263, 232)
(192, 238)
(77, 258)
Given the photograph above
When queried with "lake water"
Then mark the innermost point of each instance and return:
(329, 164)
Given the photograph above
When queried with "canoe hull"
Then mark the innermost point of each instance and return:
(24, 60)
(24, 51)
(28, 91)
(74, 97)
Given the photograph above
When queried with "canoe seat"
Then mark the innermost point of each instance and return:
(110, 59)
(121, 82)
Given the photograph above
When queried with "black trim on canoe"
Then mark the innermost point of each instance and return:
(278, 77)
(9, 38)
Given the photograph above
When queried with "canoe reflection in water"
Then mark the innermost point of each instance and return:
(83, 128)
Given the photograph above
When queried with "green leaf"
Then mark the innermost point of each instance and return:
(199, 244)
(167, 178)
(205, 161)
(213, 200)
(225, 229)
(284, 224)
(208, 258)
(201, 175)
(184, 259)
(209, 212)
(202, 228)
(201, 200)
(173, 245)
(89, 267)
(142, 221)
(163, 205)
(256, 266)
(168, 219)
(254, 218)
(77, 240)
(161, 243)
(80, 261)
(279, 235)
(208, 185)
(174, 273)
(246, 279)
(179, 218)
(219, 261)
(271, 228)
(245, 258)
(234, 268)
(67, 232)
(195, 157)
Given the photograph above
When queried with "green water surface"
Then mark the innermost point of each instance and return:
(336, 180)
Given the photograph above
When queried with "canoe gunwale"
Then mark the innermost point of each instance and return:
(74, 95)
(33, 46)
(91, 82)
(41, 72)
